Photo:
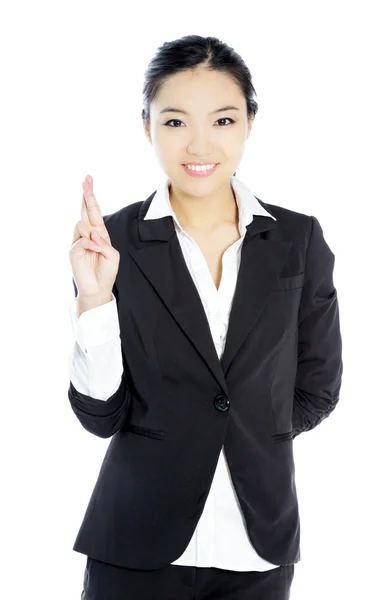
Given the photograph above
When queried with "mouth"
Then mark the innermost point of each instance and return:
(200, 173)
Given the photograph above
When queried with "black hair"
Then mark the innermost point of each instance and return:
(188, 53)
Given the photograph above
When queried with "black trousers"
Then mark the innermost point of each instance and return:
(103, 581)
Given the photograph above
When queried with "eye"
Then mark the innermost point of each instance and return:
(178, 121)
(226, 119)
(172, 121)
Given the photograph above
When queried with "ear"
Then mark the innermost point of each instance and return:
(146, 126)
(250, 125)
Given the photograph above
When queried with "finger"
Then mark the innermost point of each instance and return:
(93, 209)
(106, 248)
(85, 244)
(85, 217)
(84, 211)
(81, 230)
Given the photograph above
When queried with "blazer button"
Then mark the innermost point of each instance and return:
(221, 403)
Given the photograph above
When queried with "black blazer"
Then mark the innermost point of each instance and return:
(178, 403)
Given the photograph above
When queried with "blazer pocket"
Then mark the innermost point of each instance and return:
(282, 437)
(157, 434)
(289, 283)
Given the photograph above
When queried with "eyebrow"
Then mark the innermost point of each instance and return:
(178, 110)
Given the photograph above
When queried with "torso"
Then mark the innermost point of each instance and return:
(213, 245)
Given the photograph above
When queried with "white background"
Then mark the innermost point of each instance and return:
(71, 81)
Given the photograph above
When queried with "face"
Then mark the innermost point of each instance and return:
(201, 134)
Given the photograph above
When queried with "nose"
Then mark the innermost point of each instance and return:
(200, 145)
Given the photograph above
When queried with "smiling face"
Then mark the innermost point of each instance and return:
(201, 134)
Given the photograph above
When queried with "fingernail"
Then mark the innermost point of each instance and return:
(97, 233)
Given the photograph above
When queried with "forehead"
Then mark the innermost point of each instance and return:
(199, 90)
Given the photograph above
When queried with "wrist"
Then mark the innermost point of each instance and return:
(85, 303)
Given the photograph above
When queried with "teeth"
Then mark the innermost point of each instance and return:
(200, 167)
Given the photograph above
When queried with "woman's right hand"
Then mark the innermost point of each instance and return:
(94, 260)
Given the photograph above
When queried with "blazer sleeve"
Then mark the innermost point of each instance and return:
(102, 417)
(319, 365)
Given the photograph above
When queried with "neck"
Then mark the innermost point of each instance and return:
(204, 212)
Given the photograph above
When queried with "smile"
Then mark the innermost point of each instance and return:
(200, 170)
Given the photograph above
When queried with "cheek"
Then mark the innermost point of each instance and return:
(167, 145)
(172, 155)
(233, 142)
(236, 145)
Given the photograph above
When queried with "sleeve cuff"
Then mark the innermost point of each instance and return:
(95, 326)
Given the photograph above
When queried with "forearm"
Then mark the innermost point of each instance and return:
(98, 390)
(320, 366)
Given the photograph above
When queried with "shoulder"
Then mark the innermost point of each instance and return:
(290, 222)
(121, 216)
(285, 215)
(120, 223)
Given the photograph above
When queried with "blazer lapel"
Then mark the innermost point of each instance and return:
(262, 261)
(158, 254)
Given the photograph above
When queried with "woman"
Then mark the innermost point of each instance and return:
(208, 338)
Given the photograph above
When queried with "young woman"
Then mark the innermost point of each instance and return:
(207, 338)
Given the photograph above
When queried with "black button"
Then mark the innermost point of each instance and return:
(221, 402)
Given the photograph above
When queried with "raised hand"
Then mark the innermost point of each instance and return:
(94, 260)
